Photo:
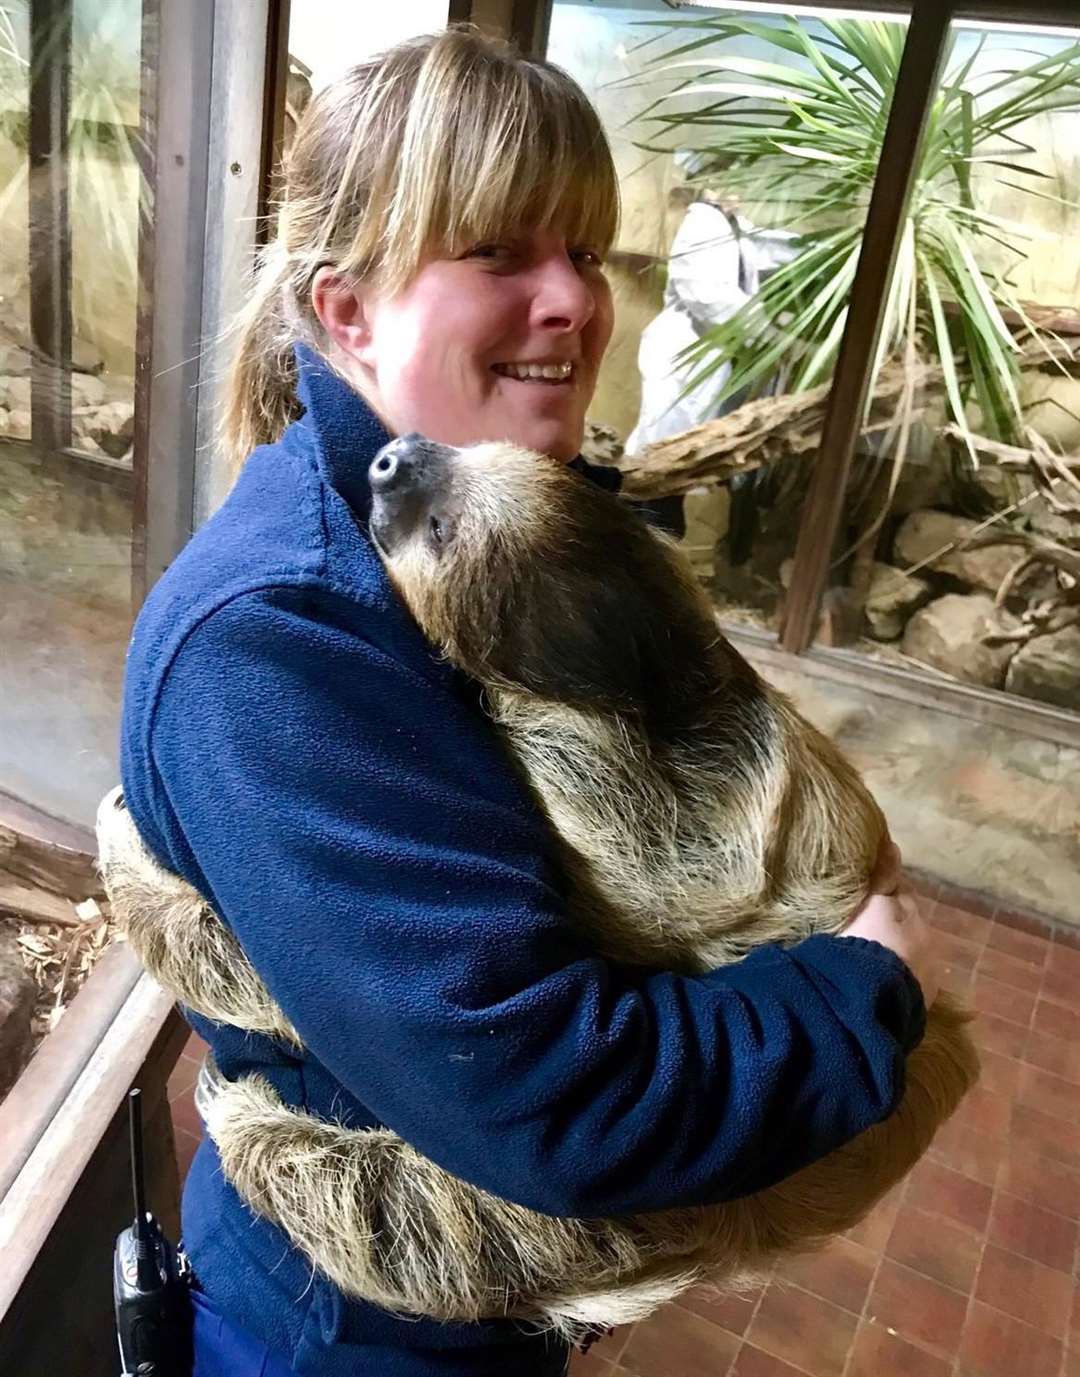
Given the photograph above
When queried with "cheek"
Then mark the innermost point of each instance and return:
(448, 352)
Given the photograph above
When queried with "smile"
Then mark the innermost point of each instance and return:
(535, 372)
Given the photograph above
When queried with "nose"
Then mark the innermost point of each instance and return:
(399, 465)
(564, 301)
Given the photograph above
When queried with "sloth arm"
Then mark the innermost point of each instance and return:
(356, 823)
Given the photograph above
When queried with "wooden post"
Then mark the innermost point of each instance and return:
(145, 153)
(275, 83)
(916, 82)
(524, 22)
(50, 224)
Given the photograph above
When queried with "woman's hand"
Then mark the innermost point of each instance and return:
(892, 916)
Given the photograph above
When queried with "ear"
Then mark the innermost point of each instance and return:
(343, 313)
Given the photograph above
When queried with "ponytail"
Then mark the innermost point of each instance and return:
(260, 391)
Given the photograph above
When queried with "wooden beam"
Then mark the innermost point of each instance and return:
(923, 688)
(149, 57)
(916, 83)
(54, 1068)
(74, 1259)
(36, 1197)
(1029, 13)
(524, 23)
(275, 83)
(75, 1186)
(530, 25)
(247, 110)
(50, 224)
(185, 57)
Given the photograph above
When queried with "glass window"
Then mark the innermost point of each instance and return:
(745, 149)
(959, 551)
(327, 38)
(70, 192)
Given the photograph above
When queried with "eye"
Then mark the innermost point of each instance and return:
(436, 530)
(589, 257)
(494, 252)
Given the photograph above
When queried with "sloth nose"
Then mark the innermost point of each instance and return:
(403, 463)
(409, 477)
(393, 465)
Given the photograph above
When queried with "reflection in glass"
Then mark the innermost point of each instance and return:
(959, 550)
(71, 188)
(747, 147)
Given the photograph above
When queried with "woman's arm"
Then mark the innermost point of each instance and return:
(362, 833)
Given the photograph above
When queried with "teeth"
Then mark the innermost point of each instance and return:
(554, 371)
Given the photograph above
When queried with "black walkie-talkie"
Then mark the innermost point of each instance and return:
(150, 1284)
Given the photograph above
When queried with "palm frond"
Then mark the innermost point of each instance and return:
(804, 135)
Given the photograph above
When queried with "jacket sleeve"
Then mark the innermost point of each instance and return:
(358, 826)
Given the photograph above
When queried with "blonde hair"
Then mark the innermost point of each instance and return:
(440, 142)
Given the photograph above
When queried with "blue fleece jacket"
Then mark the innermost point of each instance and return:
(292, 747)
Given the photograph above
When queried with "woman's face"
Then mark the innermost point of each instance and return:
(450, 355)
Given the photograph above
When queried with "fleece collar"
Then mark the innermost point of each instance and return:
(349, 434)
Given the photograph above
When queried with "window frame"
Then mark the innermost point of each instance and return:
(928, 29)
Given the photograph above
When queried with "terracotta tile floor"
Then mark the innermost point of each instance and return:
(970, 1269)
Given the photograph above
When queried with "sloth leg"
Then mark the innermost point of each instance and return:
(177, 935)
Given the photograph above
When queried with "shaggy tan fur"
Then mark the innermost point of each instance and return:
(698, 816)
(178, 937)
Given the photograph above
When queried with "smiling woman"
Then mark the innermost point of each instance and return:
(445, 217)
(501, 342)
(298, 752)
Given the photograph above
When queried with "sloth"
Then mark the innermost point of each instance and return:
(695, 815)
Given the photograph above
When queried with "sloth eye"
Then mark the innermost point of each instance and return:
(435, 527)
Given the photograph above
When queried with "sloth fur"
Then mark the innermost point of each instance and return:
(697, 816)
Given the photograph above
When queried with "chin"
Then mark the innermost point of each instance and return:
(556, 444)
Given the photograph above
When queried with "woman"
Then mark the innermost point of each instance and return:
(292, 748)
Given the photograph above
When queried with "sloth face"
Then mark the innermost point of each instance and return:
(528, 577)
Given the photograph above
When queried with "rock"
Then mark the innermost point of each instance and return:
(601, 444)
(923, 534)
(17, 424)
(948, 632)
(1062, 527)
(705, 513)
(17, 995)
(106, 429)
(992, 479)
(86, 357)
(86, 390)
(15, 362)
(923, 481)
(15, 393)
(892, 599)
(1048, 668)
(114, 428)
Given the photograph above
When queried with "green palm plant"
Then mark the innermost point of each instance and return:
(801, 138)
